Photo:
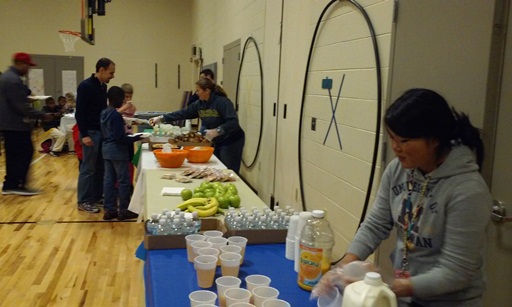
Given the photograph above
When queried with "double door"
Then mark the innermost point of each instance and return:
(55, 75)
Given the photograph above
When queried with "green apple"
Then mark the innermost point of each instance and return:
(198, 190)
(209, 193)
(234, 201)
(223, 202)
(186, 194)
(198, 195)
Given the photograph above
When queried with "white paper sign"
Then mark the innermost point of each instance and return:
(36, 81)
(69, 82)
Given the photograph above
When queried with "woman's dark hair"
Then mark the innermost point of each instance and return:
(208, 72)
(423, 113)
(205, 83)
(115, 96)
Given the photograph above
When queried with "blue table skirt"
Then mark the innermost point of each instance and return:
(170, 277)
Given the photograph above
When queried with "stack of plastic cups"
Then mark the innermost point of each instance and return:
(304, 216)
(290, 237)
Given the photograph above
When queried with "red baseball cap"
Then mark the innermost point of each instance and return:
(23, 57)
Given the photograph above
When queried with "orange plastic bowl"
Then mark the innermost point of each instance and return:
(199, 154)
(172, 159)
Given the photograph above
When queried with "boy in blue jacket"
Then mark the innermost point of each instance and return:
(115, 151)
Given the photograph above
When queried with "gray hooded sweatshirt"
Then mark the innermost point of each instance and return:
(446, 263)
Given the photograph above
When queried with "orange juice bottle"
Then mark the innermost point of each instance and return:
(315, 247)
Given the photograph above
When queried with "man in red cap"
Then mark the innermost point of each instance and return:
(15, 124)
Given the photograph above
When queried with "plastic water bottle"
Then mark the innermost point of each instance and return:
(197, 221)
(262, 223)
(190, 226)
(228, 220)
(315, 247)
(274, 223)
(162, 227)
(152, 224)
(250, 223)
(237, 223)
(286, 222)
(177, 226)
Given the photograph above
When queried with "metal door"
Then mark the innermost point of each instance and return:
(499, 252)
(60, 74)
(231, 64)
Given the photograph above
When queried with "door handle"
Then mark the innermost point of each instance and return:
(498, 213)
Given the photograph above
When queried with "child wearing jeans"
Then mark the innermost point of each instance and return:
(115, 151)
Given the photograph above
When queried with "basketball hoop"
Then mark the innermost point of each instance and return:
(69, 38)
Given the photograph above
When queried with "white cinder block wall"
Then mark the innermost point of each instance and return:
(335, 180)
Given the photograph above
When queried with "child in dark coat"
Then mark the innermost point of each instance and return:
(115, 149)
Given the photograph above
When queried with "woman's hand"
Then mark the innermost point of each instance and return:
(402, 287)
(211, 134)
(155, 120)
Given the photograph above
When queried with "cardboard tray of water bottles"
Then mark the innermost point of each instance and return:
(254, 233)
(259, 236)
(152, 242)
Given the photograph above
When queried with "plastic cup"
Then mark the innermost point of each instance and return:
(212, 233)
(279, 303)
(237, 295)
(191, 239)
(207, 305)
(231, 249)
(205, 270)
(230, 264)
(264, 293)
(198, 245)
(223, 284)
(242, 304)
(209, 251)
(332, 299)
(217, 242)
(256, 280)
(238, 241)
(202, 297)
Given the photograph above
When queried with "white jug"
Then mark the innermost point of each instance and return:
(370, 292)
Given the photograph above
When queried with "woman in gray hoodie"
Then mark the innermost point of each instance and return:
(433, 195)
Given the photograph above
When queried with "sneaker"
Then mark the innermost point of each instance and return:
(127, 215)
(54, 154)
(88, 207)
(99, 203)
(21, 191)
(71, 153)
(110, 215)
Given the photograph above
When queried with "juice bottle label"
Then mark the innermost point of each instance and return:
(310, 267)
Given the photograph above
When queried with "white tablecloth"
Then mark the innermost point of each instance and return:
(148, 161)
(67, 122)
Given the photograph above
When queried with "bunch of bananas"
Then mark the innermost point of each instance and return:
(204, 206)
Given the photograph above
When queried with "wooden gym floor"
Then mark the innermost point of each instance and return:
(51, 254)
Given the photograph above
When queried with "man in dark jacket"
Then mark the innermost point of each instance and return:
(91, 100)
(16, 125)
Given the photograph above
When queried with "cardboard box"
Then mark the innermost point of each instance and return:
(152, 242)
(259, 236)
(183, 144)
